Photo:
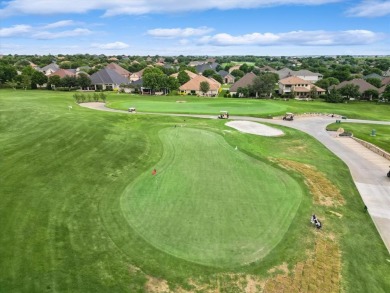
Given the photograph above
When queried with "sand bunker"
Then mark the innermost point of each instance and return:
(254, 128)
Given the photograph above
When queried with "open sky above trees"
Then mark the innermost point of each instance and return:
(259, 27)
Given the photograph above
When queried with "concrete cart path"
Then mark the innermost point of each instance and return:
(367, 168)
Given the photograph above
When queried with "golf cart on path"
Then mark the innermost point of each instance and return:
(131, 110)
(223, 115)
(289, 117)
(388, 174)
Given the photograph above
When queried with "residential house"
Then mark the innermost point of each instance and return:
(201, 68)
(108, 79)
(386, 73)
(119, 70)
(49, 69)
(300, 87)
(137, 75)
(243, 82)
(193, 86)
(304, 74)
(386, 81)
(226, 76)
(63, 72)
(196, 63)
(361, 83)
(267, 69)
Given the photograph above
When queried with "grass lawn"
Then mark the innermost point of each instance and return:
(363, 131)
(80, 210)
(251, 107)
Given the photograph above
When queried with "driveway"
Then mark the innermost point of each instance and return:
(367, 168)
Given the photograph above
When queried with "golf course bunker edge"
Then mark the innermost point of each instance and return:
(254, 128)
(210, 204)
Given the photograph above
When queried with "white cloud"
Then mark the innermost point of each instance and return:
(46, 35)
(297, 38)
(171, 33)
(62, 23)
(15, 31)
(111, 46)
(370, 9)
(137, 7)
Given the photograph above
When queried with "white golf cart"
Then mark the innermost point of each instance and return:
(223, 115)
(289, 117)
(131, 110)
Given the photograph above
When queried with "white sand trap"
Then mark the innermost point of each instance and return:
(254, 128)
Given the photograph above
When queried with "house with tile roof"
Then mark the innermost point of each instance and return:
(226, 76)
(119, 69)
(300, 87)
(304, 74)
(243, 82)
(107, 79)
(193, 86)
(62, 73)
(201, 68)
(49, 69)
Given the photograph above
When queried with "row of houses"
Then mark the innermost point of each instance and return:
(291, 84)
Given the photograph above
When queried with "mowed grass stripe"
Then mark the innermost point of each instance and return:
(209, 203)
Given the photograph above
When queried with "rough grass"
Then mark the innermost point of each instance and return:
(323, 190)
(63, 173)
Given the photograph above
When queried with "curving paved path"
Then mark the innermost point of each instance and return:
(367, 168)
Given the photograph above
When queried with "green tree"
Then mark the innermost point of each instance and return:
(204, 87)
(26, 81)
(371, 94)
(54, 80)
(217, 77)
(237, 73)
(7, 73)
(208, 72)
(386, 93)
(83, 81)
(313, 93)
(69, 81)
(263, 85)
(333, 96)
(376, 82)
(350, 91)
(38, 78)
(243, 92)
(183, 77)
(244, 68)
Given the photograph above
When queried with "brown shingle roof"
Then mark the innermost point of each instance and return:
(244, 81)
(386, 81)
(361, 83)
(118, 69)
(194, 84)
(62, 73)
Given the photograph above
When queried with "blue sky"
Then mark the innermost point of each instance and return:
(212, 27)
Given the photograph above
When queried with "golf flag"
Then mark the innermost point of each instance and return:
(154, 172)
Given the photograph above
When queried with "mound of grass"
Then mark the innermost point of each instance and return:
(364, 131)
(209, 203)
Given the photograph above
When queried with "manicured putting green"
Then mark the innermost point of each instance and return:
(209, 203)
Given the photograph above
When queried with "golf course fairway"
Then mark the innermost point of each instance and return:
(209, 203)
